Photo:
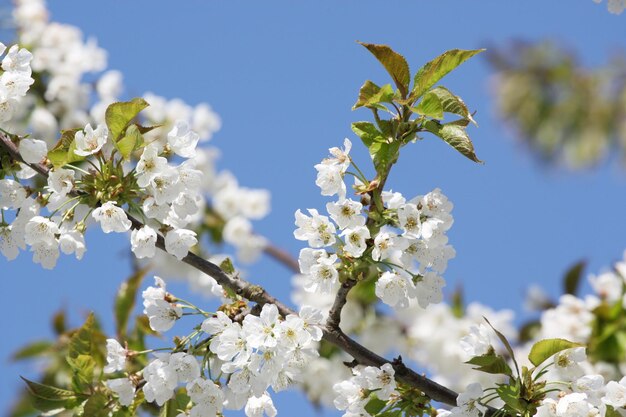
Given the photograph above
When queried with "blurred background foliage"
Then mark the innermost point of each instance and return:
(567, 115)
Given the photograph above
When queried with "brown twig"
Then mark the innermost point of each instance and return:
(259, 295)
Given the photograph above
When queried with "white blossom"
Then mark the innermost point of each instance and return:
(111, 218)
(124, 388)
(90, 141)
(116, 356)
(143, 242)
(33, 151)
(179, 241)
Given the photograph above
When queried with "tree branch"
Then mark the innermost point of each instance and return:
(260, 296)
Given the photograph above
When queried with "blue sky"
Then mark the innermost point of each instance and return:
(283, 76)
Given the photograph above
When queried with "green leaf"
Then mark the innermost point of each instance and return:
(375, 406)
(430, 106)
(82, 371)
(506, 344)
(132, 140)
(546, 348)
(571, 280)
(32, 350)
(370, 95)
(227, 266)
(125, 299)
(382, 152)
(455, 136)
(119, 115)
(81, 340)
(491, 364)
(63, 152)
(368, 133)
(96, 405)
(48, 392)
(432, 72)
(451, 103)
(394, 63)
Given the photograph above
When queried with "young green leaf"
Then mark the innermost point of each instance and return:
(125, 299)
(506, 344)
(368, 133)
(32, 350)
(430, 106)
(455, 136)
(119, 115)
(451, 103)
(571, 280)
(96, 405)
(491, 364)
(546, 348)
(48, 392)
(81, 341)
(432, 72)
(63, 152)
(371, 95)
(394, 63)
(132, 140)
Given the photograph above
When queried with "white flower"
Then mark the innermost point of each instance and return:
(8, 245)
(350, 396)
(12, 194)
(182, 140)
(322, 276)
(33, 151)
(161, 380)
(179, 241)
(237, 230)
(149, 165)
(124, 388)
(116, 356)
(567, 362)
(162, 315)
(615, 393)
(72, 242)
(388, 245)
(90, 141)
(392, 200)
(317, 229)
(467, 402)
(111, 218)
(185, 366)
(143, 242)
(346, 213)
(340, 157)
(312, 318)
(395, 289)
(355, 240)
(330, 180)
(231, 346)
(379, 379)
(165, 186)
(46, 254)
(41, 230)
(429, 289)
(260, 331)
(409, 218)
(477, 342)
(17, 60)
(61, 180)
(575, 405)
(207, 397)
(217, 324)
(257, 406)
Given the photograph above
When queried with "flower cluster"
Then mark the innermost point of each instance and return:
(175, 196)
(243, 360)
(354, 394)
(411, 232)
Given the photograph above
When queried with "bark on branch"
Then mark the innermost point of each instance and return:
(257, 294)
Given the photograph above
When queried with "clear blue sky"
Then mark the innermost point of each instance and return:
(283, 76)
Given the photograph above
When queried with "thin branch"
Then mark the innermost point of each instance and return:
(260, 296)
(334, 315)
(283, 257)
